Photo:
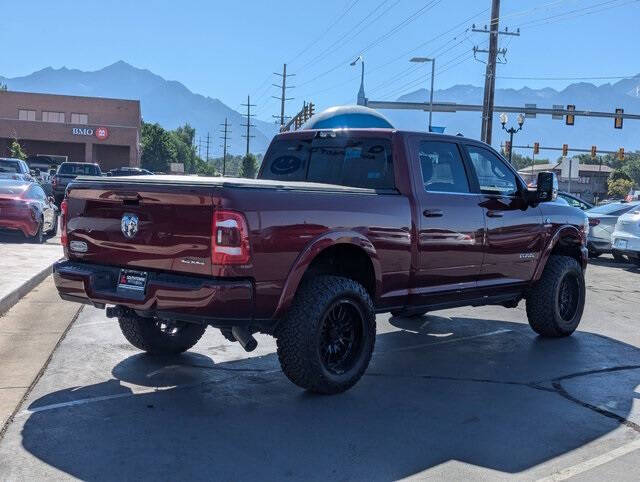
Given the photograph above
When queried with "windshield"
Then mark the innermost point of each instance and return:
(79, 169)
(9, 166)
(356, 162)
(614, 209)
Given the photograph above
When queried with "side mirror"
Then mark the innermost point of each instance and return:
(547, 188)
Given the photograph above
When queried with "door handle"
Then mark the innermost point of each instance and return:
(495, 214)
(433, 213)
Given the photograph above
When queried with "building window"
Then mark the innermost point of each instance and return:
(79, 119)
(28, 115)
(52, 116)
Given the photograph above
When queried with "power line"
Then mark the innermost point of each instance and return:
(571, 78)
(283, 97)
(580, 11)
(406, 21)
(225, 138)
(248, 125)
(331, 25)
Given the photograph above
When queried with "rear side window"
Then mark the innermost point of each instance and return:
(493, 175)
(79, 170)
(355, 162)
(442, 167)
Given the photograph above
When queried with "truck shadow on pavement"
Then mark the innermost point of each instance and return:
(489, 393)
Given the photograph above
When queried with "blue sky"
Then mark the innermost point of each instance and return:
(229, 49)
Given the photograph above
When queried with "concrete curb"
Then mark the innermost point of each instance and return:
(12, 298)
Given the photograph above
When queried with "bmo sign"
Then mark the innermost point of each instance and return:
(101, 133)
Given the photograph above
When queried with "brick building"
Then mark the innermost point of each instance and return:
(73, 128)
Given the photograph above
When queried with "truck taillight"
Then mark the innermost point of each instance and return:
(63, 223)
(229, 238)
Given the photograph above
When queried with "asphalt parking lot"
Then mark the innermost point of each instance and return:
(464, 393)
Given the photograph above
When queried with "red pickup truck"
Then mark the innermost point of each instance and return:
(340, 225)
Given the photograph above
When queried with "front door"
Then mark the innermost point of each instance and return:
(515, 234)
(450, 226)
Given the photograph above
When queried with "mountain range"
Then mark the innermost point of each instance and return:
(553, 133)
(171, 104)
(166, 102)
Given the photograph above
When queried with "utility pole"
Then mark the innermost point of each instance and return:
(248, 125)
(283, 96)
(207, 147)
(200, 146)
(490, 72)
(225, 137)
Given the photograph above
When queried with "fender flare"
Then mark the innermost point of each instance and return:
(566, 231)
(312, 250)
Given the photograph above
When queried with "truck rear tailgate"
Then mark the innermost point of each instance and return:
(141, 226)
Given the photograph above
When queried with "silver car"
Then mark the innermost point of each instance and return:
(602, 222)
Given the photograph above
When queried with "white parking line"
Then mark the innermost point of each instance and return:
(592, 463)
(444, 342)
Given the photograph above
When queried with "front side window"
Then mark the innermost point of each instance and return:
(52, 116)
(493, 175)
(442, 167)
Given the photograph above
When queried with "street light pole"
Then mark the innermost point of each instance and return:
(433, 68)
(511, 130)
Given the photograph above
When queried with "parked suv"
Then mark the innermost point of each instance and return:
(67, 172)
(338, 226)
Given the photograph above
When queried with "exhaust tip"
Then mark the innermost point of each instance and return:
(246, 339)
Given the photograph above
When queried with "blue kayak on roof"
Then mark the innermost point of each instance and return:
(348, 116)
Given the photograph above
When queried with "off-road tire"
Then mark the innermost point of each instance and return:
(635, 261)
(145, 334)
(543, 299)
(299, 334)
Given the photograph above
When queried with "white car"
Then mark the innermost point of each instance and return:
(625, 239)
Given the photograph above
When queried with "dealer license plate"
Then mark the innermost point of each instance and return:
(132, 280)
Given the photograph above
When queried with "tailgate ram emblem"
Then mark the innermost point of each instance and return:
(129, 225)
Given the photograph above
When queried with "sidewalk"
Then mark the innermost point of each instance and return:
(23, 266)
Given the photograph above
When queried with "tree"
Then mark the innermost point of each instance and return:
(619, 174)
(158, 150)
(3, 87)
(619, 187)
(631, 168)
(249, 166)
(16, 151)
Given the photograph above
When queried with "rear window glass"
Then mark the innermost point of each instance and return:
(361, 162)
(11, 167)
(79, 169)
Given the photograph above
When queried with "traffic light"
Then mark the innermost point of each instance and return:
(594, 151)
(565, 150)
(621, 154)
(617, 122)
(305, 112)
(507, 147)
(311, 109)
(536, 148)
(570, 117)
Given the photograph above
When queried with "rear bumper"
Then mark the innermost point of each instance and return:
(28, 226)
(191, 298)
(632, 242)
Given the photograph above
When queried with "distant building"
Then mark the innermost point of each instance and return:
(588, 181)
(73, 128)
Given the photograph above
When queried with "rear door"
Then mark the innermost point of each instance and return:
(450, 223)
(515, 234)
